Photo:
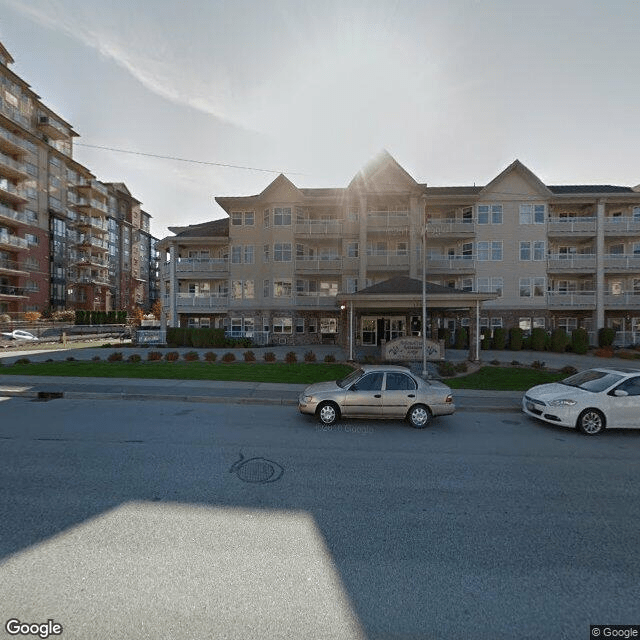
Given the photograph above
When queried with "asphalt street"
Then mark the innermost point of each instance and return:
(172, 520)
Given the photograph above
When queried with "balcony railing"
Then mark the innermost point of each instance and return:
(627, 224)
(9, 290)
(628, 300)
(15, 168)
(14, 114)
(12, 214)
(571, 262)
(11, 142)
(13, 241)
(93, 241)
(319, 227)
(455, 264)
(93, 222)
(12, 265)
(622, 261)
(318, 264)
(185, 301)
(314, 300)
(99, 280)
(16, 193)
(449, 227)
(574, 224)
(92, 184)
(387, 218)
(387, 259)
(87, 258)
(93, 203)
(572, 299)
(201, 266)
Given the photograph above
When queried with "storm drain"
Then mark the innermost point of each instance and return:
(259, 470)
(45, 396)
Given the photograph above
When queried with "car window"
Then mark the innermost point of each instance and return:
(369, 382)
(592, 380)
(631, 386)
(350, 379)
(400, 382)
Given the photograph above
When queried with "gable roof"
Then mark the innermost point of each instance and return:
(368, 178)
(404, 285)
(211, 229)
(528, 175)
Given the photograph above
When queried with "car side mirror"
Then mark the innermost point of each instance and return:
(620, 393)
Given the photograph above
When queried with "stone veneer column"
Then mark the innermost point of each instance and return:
(600, 284)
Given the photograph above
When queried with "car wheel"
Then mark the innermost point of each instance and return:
(419, 416)
(328, 413)
(591, 422)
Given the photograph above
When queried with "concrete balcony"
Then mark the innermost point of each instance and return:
(13, 169)
(7, 213)
(577, 226)
(8, 291)
(11, 193)
(629, 300)
(91, 206)
(98, 280)
(88, 186)
(571, 263)
(12, 268)
(627, 226)
(447, 228)
(89, 259)
(388, 222)
(324, 228)
(387, 261)
(199, 268)
(308, 300)
(93, 222)
(318, 265)
(93, 241)
(8, 241)
(51, 128)
(622, 263)
(11, 143)
(571, 299)
(191, 302)
(451, 264)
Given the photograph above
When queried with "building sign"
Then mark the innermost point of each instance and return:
(409, 349)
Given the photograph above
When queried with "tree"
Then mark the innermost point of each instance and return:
(156, 309)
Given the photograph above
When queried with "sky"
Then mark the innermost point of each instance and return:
(455, 90)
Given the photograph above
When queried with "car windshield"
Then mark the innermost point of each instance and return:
(351, 378)
(591, 380)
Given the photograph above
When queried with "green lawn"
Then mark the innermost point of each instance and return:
(505, 378)
(298, 373)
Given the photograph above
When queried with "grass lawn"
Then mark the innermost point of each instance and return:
(504, 379)
(298, 373)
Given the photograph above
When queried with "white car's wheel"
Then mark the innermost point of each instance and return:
(419, 416)
(328, 413)
(591, 422)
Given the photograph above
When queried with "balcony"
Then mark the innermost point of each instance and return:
(93, 222)
(9, 191)
(51, 128)
(93, 241)
(14, 114)
(318, 265)
(629, 300)
(199, 267)
(622, 262)
(89, 259)
(325, 228)
(12, 242)
(451, 264)
(575, 225)
(12, 267)
(186, 302)
(315, 300)
(387, 260)
(571, 263)
(7, 213)
(92, 185)
(451, 228)
(627, 226)
(93, 280)
(13, 169)
(91, 205)
(571, 299)
(389, 222)
(9, 291)
(11, 143)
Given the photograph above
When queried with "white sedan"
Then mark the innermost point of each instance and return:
(19, 334)
(590, 401)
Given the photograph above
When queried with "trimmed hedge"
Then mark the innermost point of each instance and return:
(538, 339)
(499, 338)
(515, 339)
(606, 336)
(87, 316)
(559, 341)
(580, 341)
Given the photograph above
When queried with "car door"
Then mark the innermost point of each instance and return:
(398, 395)
(624, 411)
(364, 397)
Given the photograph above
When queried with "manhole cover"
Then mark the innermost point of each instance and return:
(256, 470)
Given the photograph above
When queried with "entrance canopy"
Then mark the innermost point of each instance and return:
(404, 295)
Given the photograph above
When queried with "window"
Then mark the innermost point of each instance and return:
(525, 324)
(568, 324)
(615, 287)
(539, 250)
(265, 219)
(236, 289)
(313, 326)
(265, 289)
(636, 214)
(282, 252)
(532, 287)
(352, 250)
(399, 382)
(248, 290)
(467, 284)
(616, 249)
(299, 325)
(525, 250)
(32, 240)
(631, 386)
(496, 250)
(328, 325)
(496, 323)
(236, 218)
(282, 288)
(266, 249)
(538, 323)
(282, 325)
(236, 325)
(532, 214)
(248, 254)
(496, 214)
(351, 284)
(402, 249)
(369, 382)
(236, 254)
(482, 251)
(249, 218)
(483, 214)
(282, 217)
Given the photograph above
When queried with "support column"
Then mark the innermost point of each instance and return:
(416, 230)
(173, 288)
(362, 244)
(474, 320)
(600, 253)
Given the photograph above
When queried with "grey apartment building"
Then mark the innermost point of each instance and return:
(67, 240)
(287, 264)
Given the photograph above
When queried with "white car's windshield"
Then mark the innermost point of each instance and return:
(352, 377)
(594, 381)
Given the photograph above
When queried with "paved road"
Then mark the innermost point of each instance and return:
(156, 520)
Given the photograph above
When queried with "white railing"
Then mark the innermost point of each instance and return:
(318, 264)
(622, 224)
(314, 300)
(451, 263)
(387, 259)
(13, 241)
(7, 186)
(625, 300)
(196, 301)
(573, 224)
(622, 261)
(581, 299)
(260, 338)
(387, 218)
(8, 161)
(446, 226)
(320, 227)
(200, 265)
(12, 214)
(563, 261)
(13, 138)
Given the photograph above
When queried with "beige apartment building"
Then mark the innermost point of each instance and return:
(67, 240)
(301, 266)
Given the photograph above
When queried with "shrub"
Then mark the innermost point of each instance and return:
(526, 343)
(71, 359)
(106, 345)
(499, 338)
(515, 339)
(269, 356)
(462, 338)
(606, 336)
(134, 357)
(537, 364)
(228, 357)
(32, 316)
(485, 338)
(446, 369)
(249, 356)
(171, 356)
(579, 341)
(460, 367)
(628, 355)
(96, 358)
(191, 356)
(444, 334)
(210, 356)
(568, 370)
(291, 357)
(329, 358)
(116, 356)
(154, 355)
(538, 339)
(22, 361)
(309, 356)
(559, 341)
(604, 352)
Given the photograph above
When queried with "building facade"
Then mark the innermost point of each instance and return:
(284, 260)
(62, 231)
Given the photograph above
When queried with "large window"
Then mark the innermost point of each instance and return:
(282, 288)
(282, 217)
(282, 252)
(489, 213)
(532, 287)
(282, 325)
(532, 213)
(489, 250)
